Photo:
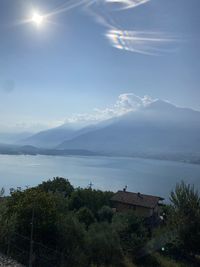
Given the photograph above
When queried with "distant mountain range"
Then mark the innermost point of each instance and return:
(31, 150)
(52, 138)
(10, 138)
(49, 138)
(155, 130)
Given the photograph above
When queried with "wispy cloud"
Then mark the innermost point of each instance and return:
(126, 4)
(121, 4)
(142, 42)
(67, 6)
(125, 103)
(149, 43)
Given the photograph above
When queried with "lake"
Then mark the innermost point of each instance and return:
(108, 173)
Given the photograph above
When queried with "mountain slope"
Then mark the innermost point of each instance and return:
(53, 137)
(157, 128)
(49, 138)
(11, 138)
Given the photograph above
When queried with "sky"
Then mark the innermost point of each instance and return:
(87, 55)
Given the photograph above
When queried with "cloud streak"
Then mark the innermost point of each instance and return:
(70, 5)
(126, 4)
(148, 43)
(122, 4)
(140, 42)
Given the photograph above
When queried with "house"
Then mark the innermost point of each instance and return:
(143, 205)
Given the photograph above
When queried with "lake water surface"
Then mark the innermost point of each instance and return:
(140, 175)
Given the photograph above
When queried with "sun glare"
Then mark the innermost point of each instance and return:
(37, 19)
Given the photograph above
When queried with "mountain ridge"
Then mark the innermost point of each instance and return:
(156, 128)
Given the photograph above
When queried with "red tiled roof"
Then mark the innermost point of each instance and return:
(136, 199)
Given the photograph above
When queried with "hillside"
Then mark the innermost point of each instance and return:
(49, 138)
(74, 226)
(158, 128)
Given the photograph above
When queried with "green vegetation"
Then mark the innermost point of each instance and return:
(77, 227)
(186, 218)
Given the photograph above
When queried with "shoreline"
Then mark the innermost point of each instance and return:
(93, 154)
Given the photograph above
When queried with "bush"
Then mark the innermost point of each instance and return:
(71, 237)
(104, 246)
(132, 233)
(78, 228)
(57, 185)
(92, 199)
(85, 216)
(105, 214)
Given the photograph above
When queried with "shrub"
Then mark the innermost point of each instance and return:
(85, 216)
(105, 214)
(104, 245)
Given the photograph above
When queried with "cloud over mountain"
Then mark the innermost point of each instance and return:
(149, 128)
(133, 124)
(84, 122)
(125, 103)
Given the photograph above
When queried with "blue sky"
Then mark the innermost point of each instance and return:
(69, 65)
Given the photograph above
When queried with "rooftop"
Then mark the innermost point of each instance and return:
(136, 199)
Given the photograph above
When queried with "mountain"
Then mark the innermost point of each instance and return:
(11, 138)
(49, 138)
(53, 137)
(157, 128)
(9, 149)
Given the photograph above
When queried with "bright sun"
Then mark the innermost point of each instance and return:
(37, 19)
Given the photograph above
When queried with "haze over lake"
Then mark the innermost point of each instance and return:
(108, 173)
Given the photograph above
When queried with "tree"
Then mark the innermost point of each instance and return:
(103, 246)
(2, 192)
(38, 208)
(132, 233)
(71, 242)
(7, 225)
(105, 214)
(92, 199)
(57, 185)
(185, 218)
(85, 216)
